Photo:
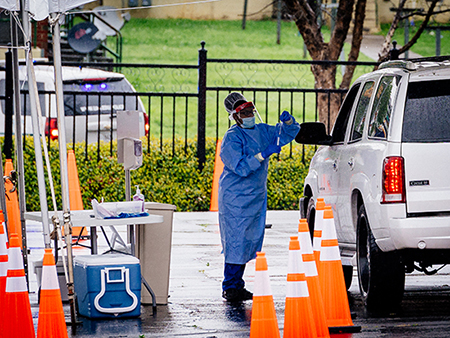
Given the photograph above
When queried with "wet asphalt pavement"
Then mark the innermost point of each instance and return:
(196, 308)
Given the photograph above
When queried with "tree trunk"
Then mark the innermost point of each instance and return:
(325, 75)
(360, 14)
(327, 103)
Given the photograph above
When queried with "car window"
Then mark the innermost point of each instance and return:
(427, 112)
(340, 126)
(382, 107)
(25, 98)
(95, 96)
(361, 110)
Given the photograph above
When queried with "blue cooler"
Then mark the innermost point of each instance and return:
(108, 286)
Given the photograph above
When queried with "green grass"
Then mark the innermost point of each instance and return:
(177, 41)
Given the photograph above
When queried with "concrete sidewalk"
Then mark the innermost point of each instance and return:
(371, 46)
(196, 308)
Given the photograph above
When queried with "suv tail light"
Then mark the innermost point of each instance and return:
(146, 124)
(51, 128)
(393, 180)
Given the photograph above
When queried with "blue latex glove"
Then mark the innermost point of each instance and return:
(285, 116)
(271, 149)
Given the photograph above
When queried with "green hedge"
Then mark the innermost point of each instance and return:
(163, 177)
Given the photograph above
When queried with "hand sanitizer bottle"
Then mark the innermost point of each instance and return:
(138, 196)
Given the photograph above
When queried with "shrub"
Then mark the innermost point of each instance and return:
(163, 177)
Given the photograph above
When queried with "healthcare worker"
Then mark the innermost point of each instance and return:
(245, 152)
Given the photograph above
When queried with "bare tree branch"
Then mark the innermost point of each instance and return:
(306, 21)
(383, 55)
(421, 28)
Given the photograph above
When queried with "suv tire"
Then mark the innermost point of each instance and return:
(381, 275)
(311, 216)
(348, 275)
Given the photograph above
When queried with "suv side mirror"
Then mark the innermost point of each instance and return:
(313, 133)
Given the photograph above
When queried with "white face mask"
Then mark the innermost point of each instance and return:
(248, 122)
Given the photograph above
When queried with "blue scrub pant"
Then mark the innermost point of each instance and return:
(233, 276)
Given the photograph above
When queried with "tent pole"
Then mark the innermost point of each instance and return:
(54, 21)
(18, 143)
(35, 113)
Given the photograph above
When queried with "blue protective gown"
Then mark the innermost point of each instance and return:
(243, 188)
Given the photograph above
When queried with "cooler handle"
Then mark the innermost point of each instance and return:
(104, 275)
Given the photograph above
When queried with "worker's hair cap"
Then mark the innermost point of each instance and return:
(232, 101)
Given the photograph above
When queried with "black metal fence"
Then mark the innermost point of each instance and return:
(181, 101)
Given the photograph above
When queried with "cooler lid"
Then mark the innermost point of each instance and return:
(108, 259)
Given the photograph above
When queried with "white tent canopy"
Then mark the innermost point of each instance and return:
(40, 9)
(10, 5)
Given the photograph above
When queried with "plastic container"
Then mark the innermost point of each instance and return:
(153, 248)
(108, 286)
(37, 266)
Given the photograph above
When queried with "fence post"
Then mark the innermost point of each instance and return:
(201, 123)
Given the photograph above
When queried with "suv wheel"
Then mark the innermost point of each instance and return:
(381, 275)
(311, 216)
(348, 275)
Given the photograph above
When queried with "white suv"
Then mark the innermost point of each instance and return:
(385, 171)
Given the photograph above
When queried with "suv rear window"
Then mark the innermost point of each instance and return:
(95, 96)
(427, 112)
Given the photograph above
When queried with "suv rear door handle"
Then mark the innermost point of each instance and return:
(335, 165)
(351, 163)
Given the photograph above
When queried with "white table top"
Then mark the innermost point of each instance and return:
(86, 218)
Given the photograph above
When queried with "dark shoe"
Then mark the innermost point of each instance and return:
(244, 294)
(235, 295)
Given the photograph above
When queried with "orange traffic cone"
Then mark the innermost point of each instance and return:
(218, 168)
(264, 318)
(51, 321)
(298, 315)
(318, 226)
(12, 204)
(312, 278)
(3, 270)
(18, 321)
(76, 202)
(331, 279)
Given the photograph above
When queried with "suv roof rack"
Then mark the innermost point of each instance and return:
(440, 58)
(418, 63)
(403, 64)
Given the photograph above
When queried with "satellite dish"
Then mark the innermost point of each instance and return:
(81, 38)
(111, 15)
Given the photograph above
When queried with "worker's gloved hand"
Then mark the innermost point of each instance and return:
(287, 118)
(271, 149)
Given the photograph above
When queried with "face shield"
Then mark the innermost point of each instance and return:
(247, 109)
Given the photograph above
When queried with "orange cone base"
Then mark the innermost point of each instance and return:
(344, 329)
(18, 321)
(264, 319)
(52, 322)
(318, 309)
(298, 319)
(335, 297)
